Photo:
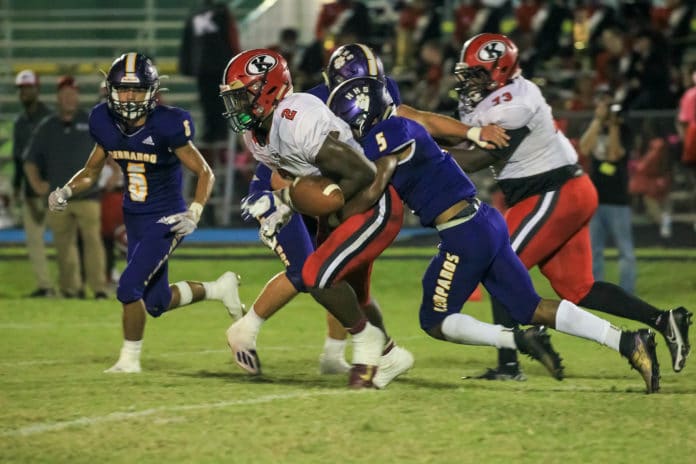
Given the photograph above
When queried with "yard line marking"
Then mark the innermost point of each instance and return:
(16, 326)
(44, 427)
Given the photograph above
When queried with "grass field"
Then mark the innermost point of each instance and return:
(192, 404)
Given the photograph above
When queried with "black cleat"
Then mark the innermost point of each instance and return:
(676, 333)
(42, 293)
(504, 373)
(642, 357)
(536, 343)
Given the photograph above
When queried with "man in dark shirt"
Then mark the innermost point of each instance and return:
(60, 146)
(33, 205)
(607, 141)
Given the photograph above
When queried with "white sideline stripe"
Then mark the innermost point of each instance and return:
(43, 427)
(15, 326)
(40, 362)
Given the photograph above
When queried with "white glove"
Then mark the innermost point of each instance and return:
(58, 199)
(271, 224)
(184, 223)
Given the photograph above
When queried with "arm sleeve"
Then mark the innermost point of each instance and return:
(261, 180)
(393, 135)
(393, 89)
(94, 127)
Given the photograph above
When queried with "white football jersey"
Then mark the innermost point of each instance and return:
(301, 123)
(520, 104)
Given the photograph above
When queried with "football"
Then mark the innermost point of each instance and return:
(316, 195)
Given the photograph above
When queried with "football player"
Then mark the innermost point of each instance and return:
(474, 245)
(149, 142)
(296, 135)
(550, 198)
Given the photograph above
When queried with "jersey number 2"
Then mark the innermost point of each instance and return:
(137, 182)
(288, 114)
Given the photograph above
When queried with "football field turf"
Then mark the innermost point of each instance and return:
(192, 404)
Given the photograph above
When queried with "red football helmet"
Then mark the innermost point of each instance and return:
(488, 62)
(253, 83)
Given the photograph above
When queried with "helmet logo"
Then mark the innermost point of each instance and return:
(491, 51)
(362, 100)
(260, 64)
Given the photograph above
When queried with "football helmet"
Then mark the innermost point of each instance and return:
(253, 83)
(488, 62)
(361, 102)
(132, 71)
(352, 60)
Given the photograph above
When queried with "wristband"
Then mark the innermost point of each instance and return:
(196, 209)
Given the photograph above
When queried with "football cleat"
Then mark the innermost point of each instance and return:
(361, 376)
(228, 283)
(507, 372)
(329, 365)
(676, 333)
(391, 365)
(642, 357)
(242, 342)
(536, 343)
(123, 367)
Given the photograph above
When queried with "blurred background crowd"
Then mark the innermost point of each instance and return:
(626, 63)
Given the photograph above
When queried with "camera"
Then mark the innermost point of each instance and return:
(615, 108)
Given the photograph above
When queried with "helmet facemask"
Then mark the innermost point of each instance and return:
(474, 84)
(131, 110)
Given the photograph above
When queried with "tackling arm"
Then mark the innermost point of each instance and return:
(477, 159)
(348, 167)
(451, 132)
(364, 199)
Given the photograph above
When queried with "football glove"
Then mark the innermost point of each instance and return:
(262, 204)
(58, 199)
(184, 223)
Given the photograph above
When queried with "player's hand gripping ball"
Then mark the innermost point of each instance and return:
(316, 195)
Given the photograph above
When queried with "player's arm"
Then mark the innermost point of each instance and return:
(83, 180)
(194, 162)
(449, 131)
(342, 163)
(367, 197)
(472, 160)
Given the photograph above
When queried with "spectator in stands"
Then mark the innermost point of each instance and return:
(33, 204)
(607, 141)
(210, 39)
(686, 121)
(60, 147)
(648, 75)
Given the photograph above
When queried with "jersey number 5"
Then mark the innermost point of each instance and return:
(137, 182)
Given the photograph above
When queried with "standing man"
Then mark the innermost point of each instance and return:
(34, 205)
(607, 141)
(149, 143)
(61, 144)
(210, 40)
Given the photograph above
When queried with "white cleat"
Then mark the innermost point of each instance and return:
(329, 365)
(122, 367)
(242, 342)
(391, 365)
(228, 285)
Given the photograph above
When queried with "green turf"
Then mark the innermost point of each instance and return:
(191, 404)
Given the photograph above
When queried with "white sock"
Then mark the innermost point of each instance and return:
(185, 293)
(212, 292)
(253, 321)
(334, 348)
(130, 352)
(464, 329)
(576, 321)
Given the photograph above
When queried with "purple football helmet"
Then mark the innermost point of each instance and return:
(132, 71)
(361, 102)
(352, 60)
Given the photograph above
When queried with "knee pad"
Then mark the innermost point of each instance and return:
(295, 278)
(126, 293)
(157, 301)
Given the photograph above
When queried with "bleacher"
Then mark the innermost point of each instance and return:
(82, 37)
